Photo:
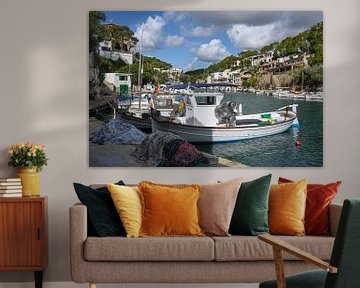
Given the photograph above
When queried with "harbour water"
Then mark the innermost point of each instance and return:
(277, 150)
(280, 150)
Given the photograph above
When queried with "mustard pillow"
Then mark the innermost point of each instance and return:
(169, 210)
(287, 204)
(127, 201)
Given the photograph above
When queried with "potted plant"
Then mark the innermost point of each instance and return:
(30, 158)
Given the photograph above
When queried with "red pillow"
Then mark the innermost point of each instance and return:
(319, 197)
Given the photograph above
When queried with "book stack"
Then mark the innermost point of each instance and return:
(10, 187)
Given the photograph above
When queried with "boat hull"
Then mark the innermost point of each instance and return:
(141, 123)
(219, 134)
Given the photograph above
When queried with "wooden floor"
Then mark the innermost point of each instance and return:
(74, 285)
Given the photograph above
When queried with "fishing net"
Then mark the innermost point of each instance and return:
(226, 112)
(187, 156)
(168, 150)
(117, 131)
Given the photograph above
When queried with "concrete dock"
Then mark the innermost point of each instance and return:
(119, 155)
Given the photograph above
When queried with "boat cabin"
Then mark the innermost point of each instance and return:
(200, 109)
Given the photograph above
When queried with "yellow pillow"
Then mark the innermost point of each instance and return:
(287, 204)
(169, 210)
(127, 201)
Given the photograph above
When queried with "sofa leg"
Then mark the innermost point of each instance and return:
(92, 285)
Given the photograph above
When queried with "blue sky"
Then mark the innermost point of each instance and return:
(197, 39)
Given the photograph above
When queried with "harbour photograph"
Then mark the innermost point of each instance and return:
(206, 89)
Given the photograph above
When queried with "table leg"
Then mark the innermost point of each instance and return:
(38, 279)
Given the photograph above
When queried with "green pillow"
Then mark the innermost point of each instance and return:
(250, 216)
(103, 218)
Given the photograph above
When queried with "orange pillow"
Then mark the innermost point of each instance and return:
(287, 204)
(169, 210)
(318, 200)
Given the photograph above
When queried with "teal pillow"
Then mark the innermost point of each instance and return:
(103, 219)
(250, 216)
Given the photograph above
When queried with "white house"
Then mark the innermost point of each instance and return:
(173, 74)
(222, 76)
(235, 77)
(262, 58)
(106, 50)
(120, 81)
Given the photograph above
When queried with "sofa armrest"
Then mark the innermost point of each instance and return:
(334, 217)
(78, 235)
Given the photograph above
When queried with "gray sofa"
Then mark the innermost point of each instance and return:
(234, 259)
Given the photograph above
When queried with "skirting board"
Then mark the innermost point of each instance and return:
(74, 285)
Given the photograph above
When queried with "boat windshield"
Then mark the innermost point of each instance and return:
(164, 103)
(205, 100)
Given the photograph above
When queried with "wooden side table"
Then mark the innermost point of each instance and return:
(23, 235)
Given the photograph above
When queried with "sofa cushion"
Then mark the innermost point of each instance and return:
(149, 249)
(318, 199)
(287, 204)
(127, 201)
(250, 215)
(169, 210)
(245, 248)
(102, 216)
(216, 205)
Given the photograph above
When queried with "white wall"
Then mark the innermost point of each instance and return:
(44, 43)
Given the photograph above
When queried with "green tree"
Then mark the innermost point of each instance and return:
(149, 73)
(226, 63)
(314, 77)
(251, 82)
(309, 42)
(269, 47)
(108, 66)
(118, 35)
(247, 53)
(95, 19)
(308, 78)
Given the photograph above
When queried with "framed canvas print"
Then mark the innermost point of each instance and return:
(206, 89)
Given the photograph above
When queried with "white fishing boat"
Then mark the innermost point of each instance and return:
(285, 94)
(164, 104)
(311, 96)
(135, 110)
(298, 95)
(206, 119)
(138, 111)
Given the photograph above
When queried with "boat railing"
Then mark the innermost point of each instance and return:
(292, 106)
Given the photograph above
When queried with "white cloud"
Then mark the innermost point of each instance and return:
(200, 31)
(150, 33)
(191, 64)
(256, 24)
(253, 37)
(286, 19)
(174, 40)
(175, 16)
(212, 52)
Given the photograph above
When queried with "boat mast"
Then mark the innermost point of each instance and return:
(140, 68)
(302, 80)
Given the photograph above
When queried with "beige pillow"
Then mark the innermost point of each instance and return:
(216, 206)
